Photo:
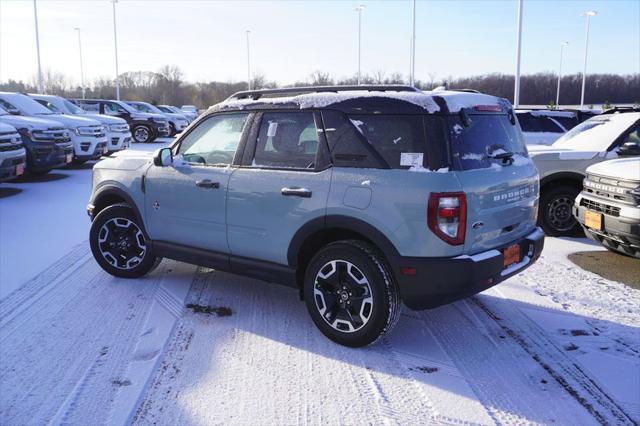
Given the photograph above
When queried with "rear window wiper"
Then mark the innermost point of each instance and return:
(501, 154)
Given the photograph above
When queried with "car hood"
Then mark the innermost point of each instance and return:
(71, 121)
(6, 128)
(20, 121)
(104, 119)
(620, 168)
(175, 115)
(127, 162)
(542, 152)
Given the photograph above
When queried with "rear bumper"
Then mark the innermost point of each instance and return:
(438, 281)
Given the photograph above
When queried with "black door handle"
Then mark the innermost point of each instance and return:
(296, 192)
(206, 183)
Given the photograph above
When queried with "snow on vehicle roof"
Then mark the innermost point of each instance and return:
(621, 168)
(547, 113)
(455, 100)
(597, 133)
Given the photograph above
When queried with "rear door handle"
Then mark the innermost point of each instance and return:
(296, 191)
(206, 183)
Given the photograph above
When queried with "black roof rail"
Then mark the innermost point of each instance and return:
(464, 90)
(257, 94)
(616, 109)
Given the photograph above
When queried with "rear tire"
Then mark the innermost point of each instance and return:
(555, 215)
(119, 243)
(351, 294)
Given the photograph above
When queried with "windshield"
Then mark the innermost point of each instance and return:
(476, 141)
(24, 104)
(145, 107)
(3, 111)
(126, 107)
(73, 108)
(595, 134)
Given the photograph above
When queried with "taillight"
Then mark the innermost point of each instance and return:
(488, 108)
(447, 216)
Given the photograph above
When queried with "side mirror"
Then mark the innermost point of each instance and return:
(629, 148)
(163, 157)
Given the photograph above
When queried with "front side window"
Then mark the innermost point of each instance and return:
(91, 106)
(287, 139)
(214, 141)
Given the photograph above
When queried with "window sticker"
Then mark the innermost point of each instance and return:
(273, 128)
(411, 158)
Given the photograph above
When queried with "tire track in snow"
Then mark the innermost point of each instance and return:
(553, 359)
(499, 372)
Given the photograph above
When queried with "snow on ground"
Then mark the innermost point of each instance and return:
(556, 344)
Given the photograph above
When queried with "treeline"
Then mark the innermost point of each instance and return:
(167, 86)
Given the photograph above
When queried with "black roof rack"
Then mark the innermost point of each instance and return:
(257, 94)
(616, 109)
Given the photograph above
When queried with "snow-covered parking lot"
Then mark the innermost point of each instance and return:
(188, 345)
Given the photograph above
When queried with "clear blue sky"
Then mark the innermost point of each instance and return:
(291, 39)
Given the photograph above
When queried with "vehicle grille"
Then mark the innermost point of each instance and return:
(11, 146)
(54, 134)
(600, 207)
(611, 189)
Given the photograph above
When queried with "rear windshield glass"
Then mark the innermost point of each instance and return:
(475, 140)
(393, 135)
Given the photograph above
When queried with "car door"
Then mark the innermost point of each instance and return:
(186, 201)
(282, 185)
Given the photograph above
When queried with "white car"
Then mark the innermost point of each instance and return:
(544, 127)
(117, 130)
(88, 136)
(563, 165)
(190, 110)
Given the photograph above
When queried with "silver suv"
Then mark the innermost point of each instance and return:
(361, 197)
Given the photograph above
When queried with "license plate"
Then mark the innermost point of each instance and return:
(593, 220)
(69, 158)
(511, 255)
(19, 169)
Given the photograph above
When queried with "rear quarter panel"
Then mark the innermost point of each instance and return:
(394, 202)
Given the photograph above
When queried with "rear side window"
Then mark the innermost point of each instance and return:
(479, 136)
(288, 140)
(392, 136)
(91, 107)
(537, 124)
(567, 122)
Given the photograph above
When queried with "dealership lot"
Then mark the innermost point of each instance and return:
(188, 344)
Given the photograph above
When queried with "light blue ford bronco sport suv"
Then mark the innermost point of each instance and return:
(362, 197)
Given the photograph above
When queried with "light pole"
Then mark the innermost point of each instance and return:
(588, 15)
(40, 80)
(248, 61)
(562, 46)
(516, 94)
(359, 9)
(115, 43)
(81, 67)
(413, 47)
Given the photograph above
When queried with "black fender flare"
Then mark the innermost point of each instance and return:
(574, 176)
(107, 191)
(339, 221)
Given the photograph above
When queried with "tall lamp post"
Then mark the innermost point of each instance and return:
(359, 9)
(562, 46)
(516, 94)
(81, 67)
(40, 80)
(248, 62)
(115, 43)
(413, 47)
(587, 15)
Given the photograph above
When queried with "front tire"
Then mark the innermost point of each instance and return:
(351, 294)
(142, 134)
(119, 243)
(555, 216)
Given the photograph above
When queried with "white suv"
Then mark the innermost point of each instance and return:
(117, 130)
(88, 136)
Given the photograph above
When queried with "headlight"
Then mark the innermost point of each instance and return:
(85, 131)
(160, 120)
(119, 127)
